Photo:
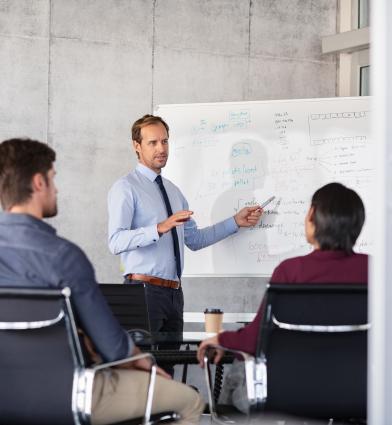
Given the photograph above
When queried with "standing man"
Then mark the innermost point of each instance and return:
(150, 221)
(32, 255)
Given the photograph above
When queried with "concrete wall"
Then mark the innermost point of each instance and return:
(77, 73)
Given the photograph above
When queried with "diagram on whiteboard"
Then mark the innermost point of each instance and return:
(225, 156)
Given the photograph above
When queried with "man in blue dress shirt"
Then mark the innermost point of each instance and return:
(150, 221)
(32, 255)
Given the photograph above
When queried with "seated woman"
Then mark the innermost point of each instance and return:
(332, 226)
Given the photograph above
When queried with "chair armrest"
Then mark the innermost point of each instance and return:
(138, 335)
(244, 355)
(255, 376)
(126, 360)
(320, 328)
(137, 330)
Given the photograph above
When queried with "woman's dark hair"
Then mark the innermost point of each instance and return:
(338, 217)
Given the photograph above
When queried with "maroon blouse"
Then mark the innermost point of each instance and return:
(316, 267)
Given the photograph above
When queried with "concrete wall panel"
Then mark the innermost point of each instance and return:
(183, 76)
(284, 79)
(94, 91)
(111, 21)
(291, 28)
(98, 90)
(87, 181)
(24, 64)
(220, 26)
(29, 18)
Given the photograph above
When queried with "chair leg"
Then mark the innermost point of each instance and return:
(219, 369)
(185, 367)
(150, 395)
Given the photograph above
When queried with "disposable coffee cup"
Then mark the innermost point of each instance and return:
(213, 320)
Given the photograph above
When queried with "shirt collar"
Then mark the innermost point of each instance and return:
(146, 172)
(26, 220)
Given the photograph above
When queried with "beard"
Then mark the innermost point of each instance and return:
(50, 211)
(161, 162)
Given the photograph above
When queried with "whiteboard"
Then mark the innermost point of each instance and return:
(225, 156)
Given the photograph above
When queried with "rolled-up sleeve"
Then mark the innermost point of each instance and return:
(121, 209)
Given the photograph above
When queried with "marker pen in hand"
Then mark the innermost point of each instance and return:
(265, 203)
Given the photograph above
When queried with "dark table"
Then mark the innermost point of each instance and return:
(160, 344)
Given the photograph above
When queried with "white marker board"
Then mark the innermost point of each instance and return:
(225, 156)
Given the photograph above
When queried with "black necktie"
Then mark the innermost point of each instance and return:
(176, 245)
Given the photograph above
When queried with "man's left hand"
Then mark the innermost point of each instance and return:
(248, 216)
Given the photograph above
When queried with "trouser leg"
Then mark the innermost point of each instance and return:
(165, 307)
(122, 393)
(165, 313)
(174, 321)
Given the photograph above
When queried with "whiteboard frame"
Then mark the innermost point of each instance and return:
(314, 99)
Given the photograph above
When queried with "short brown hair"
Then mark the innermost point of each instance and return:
(20, 160)
(143, 122)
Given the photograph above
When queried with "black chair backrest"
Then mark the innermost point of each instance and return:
(37, 360)
(319, 373)
(128, 303)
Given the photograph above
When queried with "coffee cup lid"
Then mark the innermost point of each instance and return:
(213, 311)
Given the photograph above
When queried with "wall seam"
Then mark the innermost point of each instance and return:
(49, 141)
(153, 55)
(337, 57)
(249, 49)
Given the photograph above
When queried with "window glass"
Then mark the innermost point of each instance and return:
(363, 13)
(364, 81)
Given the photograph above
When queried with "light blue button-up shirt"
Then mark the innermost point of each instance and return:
(136, 206)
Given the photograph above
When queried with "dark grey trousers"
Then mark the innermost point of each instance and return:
(165, 307)
(165, 311)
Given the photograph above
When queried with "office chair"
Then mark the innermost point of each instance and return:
(311, 357)
(129, 305)
(43, 376)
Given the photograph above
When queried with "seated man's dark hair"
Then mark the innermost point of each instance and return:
(338, 217)
(20, 160)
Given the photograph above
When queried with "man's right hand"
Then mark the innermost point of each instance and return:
(204, 345)
(177, 219)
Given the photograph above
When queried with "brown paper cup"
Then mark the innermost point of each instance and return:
(213, 320)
